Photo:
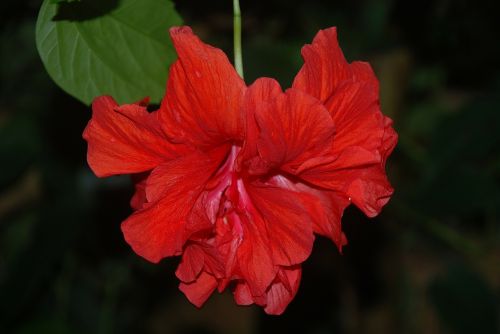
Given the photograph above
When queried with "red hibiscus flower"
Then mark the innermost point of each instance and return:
(237, 180)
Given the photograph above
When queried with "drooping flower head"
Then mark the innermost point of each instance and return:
(237, 180)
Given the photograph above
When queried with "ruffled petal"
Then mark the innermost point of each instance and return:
(242, 294)
(363, 72)
(294, 128)
(139, 198)
(159, 229)
(156, 231)
(198, 256)
(370, 190)
(363, 140)
(125, 139)
(254, 255)
(355, 110)
(197, 292)
(326, 208)
(356, 173)
(202, 105)
(279, 294)
(283, 290)
(184, 175)
(287, 222)
(191, 263)
(228, 237)
(263, 90)
(325, 67)
(389, 140)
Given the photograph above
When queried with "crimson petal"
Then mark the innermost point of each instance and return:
(159, 229)
(203, 99)
(254, 255)
(326, 208)
(125, 139)
(294, 128)
(191, 263)
(279, 294)
(325, 67)
(357, 174)
(283, 290)
(287, 222)
(363, 140)
(139, 198)
(263, 90)
(197, 292)
(355, 110)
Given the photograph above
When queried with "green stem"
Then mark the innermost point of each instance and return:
(238, 59)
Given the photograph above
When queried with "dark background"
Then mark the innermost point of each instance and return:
(430, 263)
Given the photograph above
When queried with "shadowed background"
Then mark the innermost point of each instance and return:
(430, 263)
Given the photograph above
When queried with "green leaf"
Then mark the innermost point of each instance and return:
(114, 47)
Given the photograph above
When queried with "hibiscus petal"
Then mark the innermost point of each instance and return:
(200, 254)
(363, 140)
(294, 128)
(279, 294)
(229, 234)
(191, 263)
(355, 110)
(242, 294)
(325, 67)
(139, 197)
(323, 206)
(254, 262)
(125, 139)
(283, 290)
(185, 174)
(254, 256)
(389, 140)
(156, 231)
(371, 190)
(202, 104)
(288, 225)
(326, 208)
(363, 72)
(159, 229)
(358, 174)
(364, 137)
(263, 90)
(198, 291)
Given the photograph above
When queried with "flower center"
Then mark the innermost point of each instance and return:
(225, 189)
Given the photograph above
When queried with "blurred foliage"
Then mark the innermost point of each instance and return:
(429, 264)
(463, 300)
